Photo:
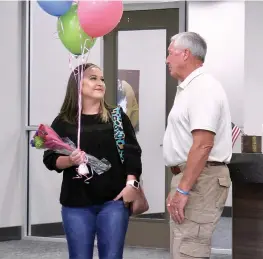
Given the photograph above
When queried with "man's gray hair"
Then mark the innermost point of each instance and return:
(192, 41)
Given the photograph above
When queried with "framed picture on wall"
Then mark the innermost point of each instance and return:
(128, 94)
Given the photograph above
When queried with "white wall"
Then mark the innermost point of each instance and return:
(253, 105)
(10, 114)
(222, 24)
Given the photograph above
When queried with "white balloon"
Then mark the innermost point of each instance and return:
(83, 169)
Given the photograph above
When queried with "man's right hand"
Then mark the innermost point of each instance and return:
(77, 157)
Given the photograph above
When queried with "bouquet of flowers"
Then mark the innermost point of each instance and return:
(46, 138)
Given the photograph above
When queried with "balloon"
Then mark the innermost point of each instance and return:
(55, 8)
(71, 34)
(99, 17)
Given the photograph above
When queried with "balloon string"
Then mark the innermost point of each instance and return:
(80, 82)
(80, 75)
(81, 61)
(79, 78)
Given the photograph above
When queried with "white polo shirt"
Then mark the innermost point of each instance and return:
(200, 103)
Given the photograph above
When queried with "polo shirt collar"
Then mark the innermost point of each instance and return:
(190, 77)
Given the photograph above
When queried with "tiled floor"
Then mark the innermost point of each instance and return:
(55, 250)
(58, 250)
(222, 238)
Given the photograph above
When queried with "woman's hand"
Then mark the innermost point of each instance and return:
(128, 194)
(77, 157)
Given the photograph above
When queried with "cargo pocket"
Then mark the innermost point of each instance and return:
(198, 246)
(196, 250)
(223, 188)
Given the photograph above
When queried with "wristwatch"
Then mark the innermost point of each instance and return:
(135, 184)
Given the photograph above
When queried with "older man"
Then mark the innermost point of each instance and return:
(197, 146)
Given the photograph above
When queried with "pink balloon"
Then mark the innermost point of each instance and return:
(99, 17)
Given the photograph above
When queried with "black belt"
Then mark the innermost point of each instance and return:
(176, 169)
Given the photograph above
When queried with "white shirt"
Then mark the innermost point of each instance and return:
(200, 103)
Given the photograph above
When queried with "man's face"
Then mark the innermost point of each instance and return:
(175, 60)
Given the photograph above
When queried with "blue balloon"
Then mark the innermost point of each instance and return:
(55, 8)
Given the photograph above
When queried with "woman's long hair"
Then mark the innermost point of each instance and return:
(69, 108)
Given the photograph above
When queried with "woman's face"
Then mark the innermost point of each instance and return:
(93, 86)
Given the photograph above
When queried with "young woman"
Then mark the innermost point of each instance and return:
(100, 207)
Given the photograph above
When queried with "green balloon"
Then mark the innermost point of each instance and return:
(71, 34)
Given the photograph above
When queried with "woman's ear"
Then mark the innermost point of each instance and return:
(81, 82)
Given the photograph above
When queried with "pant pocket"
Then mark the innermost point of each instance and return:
(195, 250)
(223, 188)
(197, 244)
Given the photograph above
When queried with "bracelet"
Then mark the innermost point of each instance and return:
(181, 191)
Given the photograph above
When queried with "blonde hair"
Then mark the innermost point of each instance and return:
(104, 111)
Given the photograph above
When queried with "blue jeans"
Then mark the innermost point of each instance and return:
(108, 221)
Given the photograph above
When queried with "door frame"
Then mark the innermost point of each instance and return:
(148, 226)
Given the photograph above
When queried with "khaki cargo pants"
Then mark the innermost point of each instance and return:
(192, 238)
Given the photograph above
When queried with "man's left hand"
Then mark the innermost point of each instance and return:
(176, 207)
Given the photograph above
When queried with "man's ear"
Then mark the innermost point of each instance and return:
(186, 54)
